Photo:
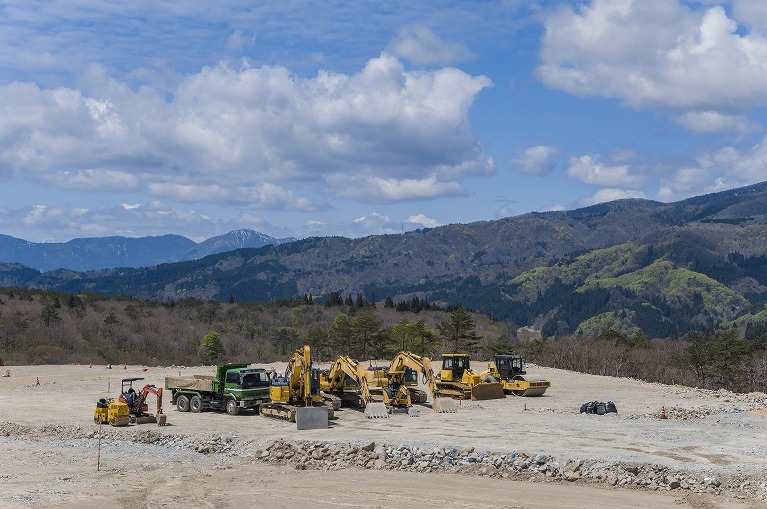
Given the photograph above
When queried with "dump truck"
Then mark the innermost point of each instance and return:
(457, 380)
(509, 370)
(234, 387)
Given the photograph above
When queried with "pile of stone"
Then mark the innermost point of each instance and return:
(304, 455)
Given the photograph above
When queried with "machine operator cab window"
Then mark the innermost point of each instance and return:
(456, 364)
(255, 379)
(233, 377)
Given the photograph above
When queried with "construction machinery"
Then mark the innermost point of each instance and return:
(116, 413)
(136, 401)
(457, 380)
(398, 382)
(347, 380)
(297, 397)
(233, 388)
(510, 371)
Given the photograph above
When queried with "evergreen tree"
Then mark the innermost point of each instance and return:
(458, 334)
(211, 348)
(366, 332)
(340, 334)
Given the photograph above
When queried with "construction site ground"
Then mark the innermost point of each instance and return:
(51, 455)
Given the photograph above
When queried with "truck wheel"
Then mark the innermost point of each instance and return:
(182, 403)
(195, 404)
(232, 408)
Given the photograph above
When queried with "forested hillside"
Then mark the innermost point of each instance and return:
(38, 327)
(632, 266)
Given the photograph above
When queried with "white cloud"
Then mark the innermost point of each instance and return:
(535, 160)
(590, 170)
(419, 45)
(257, 136)
(712, 121)
(610, 194)
(422, 220)
(726, 168)
(657, 53)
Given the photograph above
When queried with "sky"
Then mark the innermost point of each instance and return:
(306, 118)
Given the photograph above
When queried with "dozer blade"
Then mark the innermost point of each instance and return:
(444, 405)
(312, 417)
(487, 390)
(376, 411)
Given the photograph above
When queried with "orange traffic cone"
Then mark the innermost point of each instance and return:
(38, 381)
(125, 366)
(663, 413)
(90, 365)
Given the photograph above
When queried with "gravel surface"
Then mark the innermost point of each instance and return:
(709, 451)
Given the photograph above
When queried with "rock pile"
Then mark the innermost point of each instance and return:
(517, 465)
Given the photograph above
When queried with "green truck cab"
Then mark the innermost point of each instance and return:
(233, 388)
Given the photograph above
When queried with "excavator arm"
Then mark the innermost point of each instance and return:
(410, 360)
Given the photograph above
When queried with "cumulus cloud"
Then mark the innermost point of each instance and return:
(658, 54)
(420, 46)
(535, 160)
(610, 194)
(723, 169)
(259, 137)
(422, 220)
(590, 170)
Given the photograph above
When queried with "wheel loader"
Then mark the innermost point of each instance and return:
(457, 380)
(510, 371)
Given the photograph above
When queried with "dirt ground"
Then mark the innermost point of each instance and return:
(50, 447)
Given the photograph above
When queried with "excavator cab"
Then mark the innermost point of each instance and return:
(129, 396)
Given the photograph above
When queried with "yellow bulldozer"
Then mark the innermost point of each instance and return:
(297, 397)
(510, 371)
(115, 413)
(457, 380)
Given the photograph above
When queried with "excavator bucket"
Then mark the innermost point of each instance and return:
(376, 411)
(444, 405)
(487, 390)
(312, 418)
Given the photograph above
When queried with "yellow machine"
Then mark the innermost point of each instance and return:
(398, 381)
(296, 396)
(510, 371)
(116, 413)
(347, 380)
(458, 380)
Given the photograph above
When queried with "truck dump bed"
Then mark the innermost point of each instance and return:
(198, 383)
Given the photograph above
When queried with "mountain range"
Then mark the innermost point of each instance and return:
(634, 266)
(111, 252)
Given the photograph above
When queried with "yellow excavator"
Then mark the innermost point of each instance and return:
(398, 382)
(457, 380)
(347, 380)
(296, 396)
(510, 371)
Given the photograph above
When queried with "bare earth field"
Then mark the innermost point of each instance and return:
(710, 453)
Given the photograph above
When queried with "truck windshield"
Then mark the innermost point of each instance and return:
(253, 380)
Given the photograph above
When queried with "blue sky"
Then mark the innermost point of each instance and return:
(304, 118)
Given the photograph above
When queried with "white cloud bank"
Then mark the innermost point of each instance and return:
(697, 63)
(257, 138)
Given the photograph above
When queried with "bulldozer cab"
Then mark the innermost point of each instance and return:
(509, 366)
(453, 366)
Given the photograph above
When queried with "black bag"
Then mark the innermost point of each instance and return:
(610, 407)
(601, 409)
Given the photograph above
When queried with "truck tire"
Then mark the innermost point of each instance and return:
(232, 408)
(182, 403)
(195, 404)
